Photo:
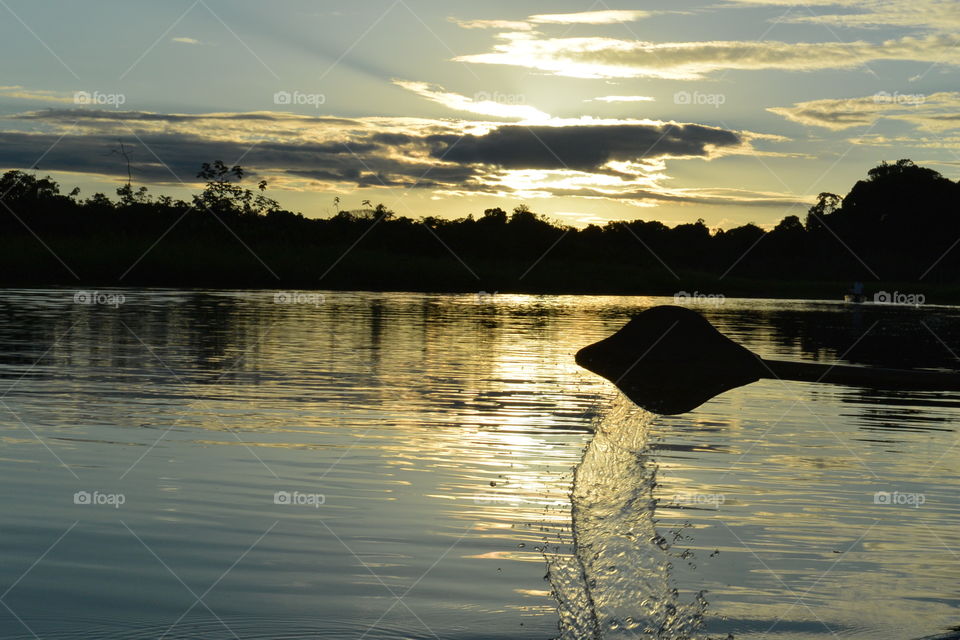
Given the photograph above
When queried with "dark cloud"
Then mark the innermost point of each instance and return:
(580, 147)
(397, 176)
(399, 153)
(171, 158)
(394, 139)
(89, 116)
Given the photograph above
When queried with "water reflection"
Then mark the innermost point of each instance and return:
(447, 427)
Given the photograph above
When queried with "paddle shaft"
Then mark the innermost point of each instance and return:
(877, 378)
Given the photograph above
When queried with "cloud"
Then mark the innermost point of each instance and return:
(503, 25)
(483, 103)
(585, 147)
(945, 142)
(590, 17)
(599, 57)
(738, 197)
(610, 16)
(609, 99)
(616, 160)
(945, 163)
(934, 112)
(936, 15)
(37, 95)
(185, 40)
(168, 148)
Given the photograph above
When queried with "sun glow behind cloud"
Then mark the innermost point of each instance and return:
(482, 104)
(603, 57)
(610, 16)
(609, 99)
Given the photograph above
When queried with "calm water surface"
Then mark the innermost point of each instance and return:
(227, 464)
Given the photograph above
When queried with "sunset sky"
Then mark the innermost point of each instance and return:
(732, 110)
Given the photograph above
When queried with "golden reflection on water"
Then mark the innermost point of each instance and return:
(423, 417)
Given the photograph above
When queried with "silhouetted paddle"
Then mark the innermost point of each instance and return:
(671, 360)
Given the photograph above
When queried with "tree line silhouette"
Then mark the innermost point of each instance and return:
(899, 225)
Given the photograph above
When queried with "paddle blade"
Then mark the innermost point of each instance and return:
(671, 360)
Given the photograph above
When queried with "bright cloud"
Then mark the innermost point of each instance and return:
(600, 57)
(37, 95)
(934, 112)
(483, 103)
(589, 17)
(942, 142)
(610, 16)
(503, 25)
(938, 15)
(622, 99)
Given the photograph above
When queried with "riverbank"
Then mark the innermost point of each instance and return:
(82, 266)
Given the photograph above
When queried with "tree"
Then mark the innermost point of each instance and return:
(522, 213)
(21, 186)
(496, 216)
(130, 197)
(901, 193)
(122, 151)
(790, 225)
(827, 203)
(381, 211)
(224, 195)
(99, 201)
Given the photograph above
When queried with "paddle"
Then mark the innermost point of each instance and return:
(671, 360)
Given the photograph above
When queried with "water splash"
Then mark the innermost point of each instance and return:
(612, 579)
